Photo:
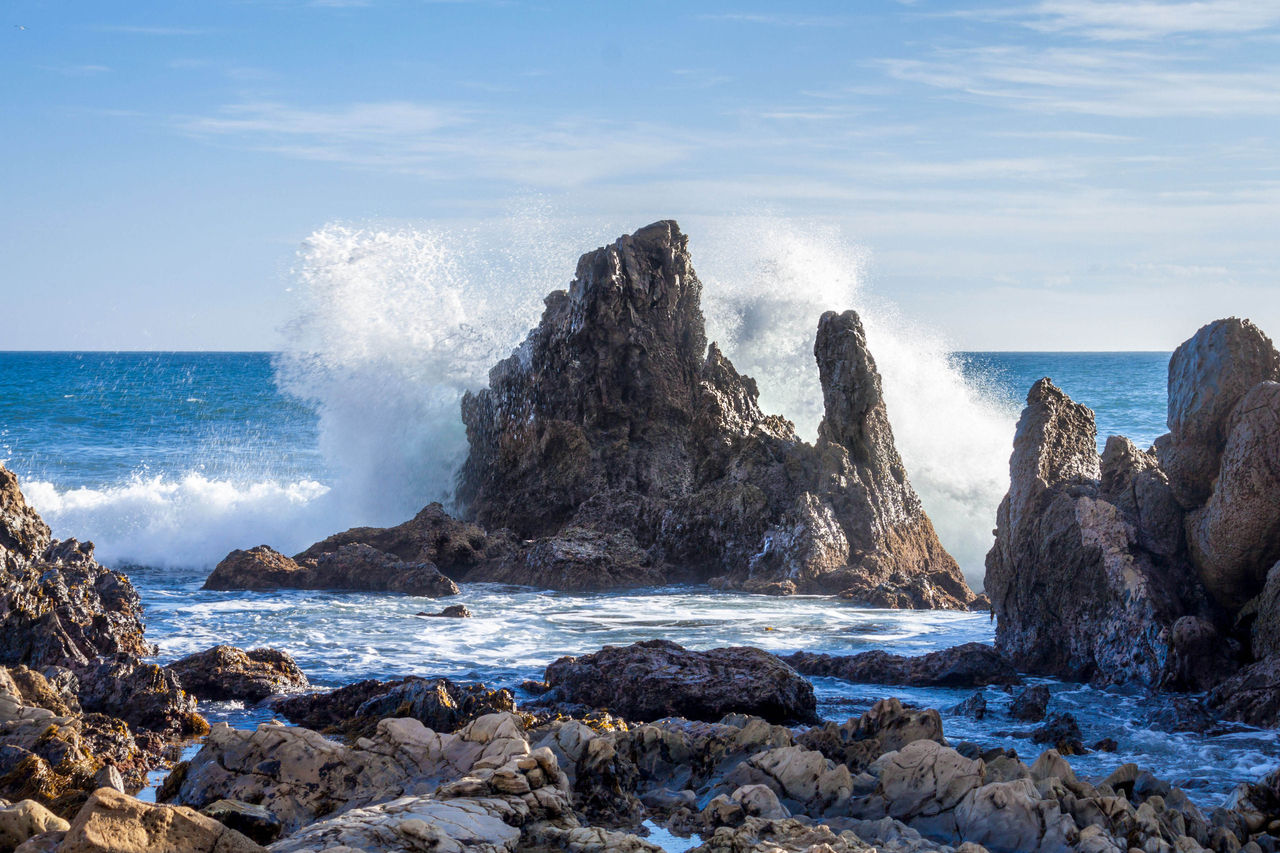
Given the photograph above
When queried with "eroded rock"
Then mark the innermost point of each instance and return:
(225, 672)
(968, 665)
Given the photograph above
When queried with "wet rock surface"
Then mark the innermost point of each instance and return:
(658, 678)
(355, 567)
(968, 665)
(225, 672)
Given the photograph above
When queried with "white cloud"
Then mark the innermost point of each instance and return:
(1146, 19)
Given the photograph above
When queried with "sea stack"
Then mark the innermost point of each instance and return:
(623, 450)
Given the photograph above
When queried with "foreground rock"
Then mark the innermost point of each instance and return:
(629, 452)
(658, 678)
(77, 705)
(111, 822)
(225, 672)
(354, 567)
(356, 710)
(968, 665)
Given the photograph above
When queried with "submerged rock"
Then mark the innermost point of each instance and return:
(658, 678)
(630, 453)
(967, 665)
(225, 672)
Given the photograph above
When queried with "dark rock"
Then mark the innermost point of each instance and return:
(1250, 696)
(1062, 732)
(1208, 375)
(614, 416)
(1030, 704)
(1181, 714)
(453, 611)
(1106, 745)
(254, 822)
(225, 672)
(975, 706)
(1266, 613)
(146, 695)
(355, 710)
(1234, 538)
(354, 566)
(1075, 591)
(967, 665)
(887, 727)
(658, 678)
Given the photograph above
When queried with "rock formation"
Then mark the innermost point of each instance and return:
(968, 665)
(1149, 566)
(225, 672)
(631, 452)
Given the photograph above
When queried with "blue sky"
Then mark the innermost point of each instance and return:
(1063, 174)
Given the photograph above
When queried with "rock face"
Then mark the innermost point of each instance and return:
(112, 821)
(968, 665)
(225, 672)
(629, 451)
(1084, 581)
(658, 678)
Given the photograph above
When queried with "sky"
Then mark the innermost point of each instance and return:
(1062, 174)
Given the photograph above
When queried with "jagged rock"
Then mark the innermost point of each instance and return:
(761, 835)
(1074, 590)
(453, 611)
(253, 822)
(975, 706)
(968, 665)
(1266, 625)
(1011, 817)
(225, 672)
(886, 727)
(614, 416)
(1062, 732)
(1208, 375)
(1030, 704)
(21, 821)
(112, 822)
(1250, 696)
(1235, 537)
(804, 780)
(352, 566)
(658, 678)
(356, 709)
(924, 782)
(145, 695)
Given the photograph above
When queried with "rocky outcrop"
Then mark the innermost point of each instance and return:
(225, 672)
(629, 452)
(111, 821)
(968, 665)
(658, 678)
(1086, 579)
(1251, 695)
(356, 709)
(354, 567)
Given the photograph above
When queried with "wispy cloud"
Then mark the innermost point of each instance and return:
(1108, 20)
(152, 31)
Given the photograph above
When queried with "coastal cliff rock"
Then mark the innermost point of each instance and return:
(615, 418)
(658, 678)
(1086, 578)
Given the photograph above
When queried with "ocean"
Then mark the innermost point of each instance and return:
(169, 460)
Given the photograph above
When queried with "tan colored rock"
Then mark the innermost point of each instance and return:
(20, 821)
(1011, 817)
(925, 779)
(112, 822)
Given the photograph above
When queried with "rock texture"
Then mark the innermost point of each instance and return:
(630, 452)
(111, 822)
(225, 672)
(1084, 580)
(354, 567)
(658, 678)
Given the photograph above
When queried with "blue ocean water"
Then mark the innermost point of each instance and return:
(169, 460)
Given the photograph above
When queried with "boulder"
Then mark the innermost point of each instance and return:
(1251, 695)
(658, 678)
(1011, 817)
(1208, 375)
(1062, 732)
(886, 727)
(356, 709)
(254, 822)
(112, 822)
(967, 665)
(1266, 609)
(20, 821)
(1234, 537)
(804, 781)
(615, 417)
(1030, 704)
(353, 567)
(1080, 588)
(453, 611)
(225, 672)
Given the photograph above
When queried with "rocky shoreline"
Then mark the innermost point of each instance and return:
(617, 448)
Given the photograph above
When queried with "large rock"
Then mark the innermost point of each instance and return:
(967, 665)
(614, 416)
(356, 709)
(1208, 375)
(1083, 583)
(225, 672)
(112, 822)
(658, 678)
(1235, 537)
(1266, 612)
(1251, 695)
(351, 566)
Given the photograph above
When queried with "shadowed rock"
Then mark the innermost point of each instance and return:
(225, 672)
(968, 665)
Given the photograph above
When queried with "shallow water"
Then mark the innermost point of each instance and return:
(338, 638)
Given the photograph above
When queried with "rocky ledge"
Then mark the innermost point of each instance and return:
(617, 448)
(1159, 566)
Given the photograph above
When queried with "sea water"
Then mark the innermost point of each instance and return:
(169, 460)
